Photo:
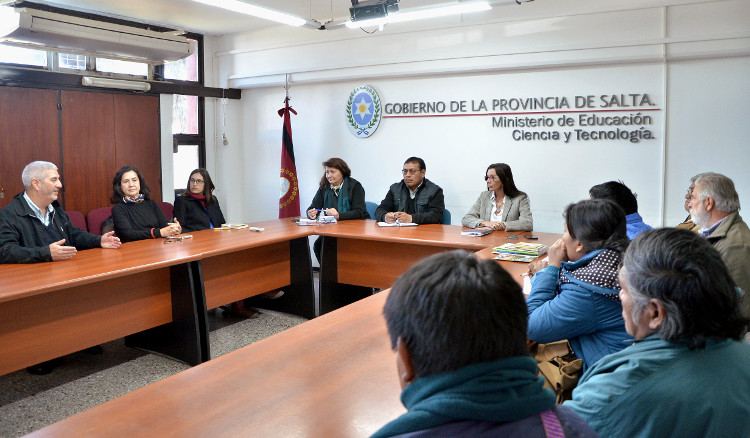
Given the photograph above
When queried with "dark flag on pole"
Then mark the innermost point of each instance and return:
(289, 196)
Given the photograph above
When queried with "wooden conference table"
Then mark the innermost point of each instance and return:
(334, 376)
(361, 253)
(154, 294)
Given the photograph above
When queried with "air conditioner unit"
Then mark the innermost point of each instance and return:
(51, 31)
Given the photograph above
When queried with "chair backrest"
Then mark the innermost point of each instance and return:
(371, 206)
(446, 217)
(96, 217)
(167, 209)
(76, 218)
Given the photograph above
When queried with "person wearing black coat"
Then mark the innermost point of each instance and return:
(34, 228)
(339, 195)
(197, 208)
(135, 215)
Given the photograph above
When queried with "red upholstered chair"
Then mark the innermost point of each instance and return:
(76, 218)
(166, 208)
(96, 217)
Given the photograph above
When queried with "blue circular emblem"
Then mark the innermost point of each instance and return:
(363, 111)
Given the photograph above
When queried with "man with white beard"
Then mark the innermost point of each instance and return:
(714, 207)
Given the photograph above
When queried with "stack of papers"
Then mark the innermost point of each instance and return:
(318, 221)
(519, 252)
(477, 232)
(304, 221)
(232, 227)
(397, 224)
(514, 257)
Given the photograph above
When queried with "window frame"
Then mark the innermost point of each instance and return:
(199, 138)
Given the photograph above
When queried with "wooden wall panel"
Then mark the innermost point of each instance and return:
(88, 143)
(137, 137)
(100, 133)
(28, 132)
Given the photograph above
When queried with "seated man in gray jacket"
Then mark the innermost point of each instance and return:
(413, 199)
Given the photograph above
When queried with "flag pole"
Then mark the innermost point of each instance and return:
(289, 195)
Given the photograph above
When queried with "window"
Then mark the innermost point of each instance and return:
(75, 62)
(106, 65)
(20, 55)
(185, 69)
(186, 159)
(187, 114)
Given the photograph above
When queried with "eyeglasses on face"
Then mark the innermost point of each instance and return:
(196, 181)
(491, 177)
(410, 171)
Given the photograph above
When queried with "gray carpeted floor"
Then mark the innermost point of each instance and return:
(29, 402)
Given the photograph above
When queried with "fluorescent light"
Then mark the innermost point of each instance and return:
(89, 81)
(255, 11)
(424, 13)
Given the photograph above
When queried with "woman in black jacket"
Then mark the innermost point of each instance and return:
(136, 216)
(339, 195)
(197, 208)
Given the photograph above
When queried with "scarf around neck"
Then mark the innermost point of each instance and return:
(600, 271)
(343, 203)
(201, 198)
(137, 200)
(499, 391)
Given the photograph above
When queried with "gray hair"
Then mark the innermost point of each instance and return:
(685, 273)
(36, 170)
(720, 189)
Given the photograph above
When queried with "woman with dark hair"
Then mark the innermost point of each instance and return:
(135, 215)
(575, 297)
(339, 195)
(197, 208)
(502, 206)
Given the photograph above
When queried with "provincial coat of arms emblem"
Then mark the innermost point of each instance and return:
(363, 111)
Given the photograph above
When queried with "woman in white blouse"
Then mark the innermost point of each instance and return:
(502, 206)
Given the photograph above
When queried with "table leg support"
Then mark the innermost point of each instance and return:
(332, 293)
(184, 338)
(299, 296)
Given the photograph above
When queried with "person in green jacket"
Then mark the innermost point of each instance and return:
(458, 326)
(687, 373)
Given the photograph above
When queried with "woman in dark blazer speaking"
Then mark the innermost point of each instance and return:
(502, 206)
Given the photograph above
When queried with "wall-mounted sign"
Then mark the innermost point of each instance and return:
(624, 116)
(363, 111)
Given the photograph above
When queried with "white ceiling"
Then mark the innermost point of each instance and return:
(200, 18)
(208, 20)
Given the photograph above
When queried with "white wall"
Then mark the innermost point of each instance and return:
(693, 59)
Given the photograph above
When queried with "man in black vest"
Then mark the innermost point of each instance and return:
(34, 228)
(415, 199)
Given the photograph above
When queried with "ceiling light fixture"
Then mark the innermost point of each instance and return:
(421, 14)
(90, 81)
(255, 11)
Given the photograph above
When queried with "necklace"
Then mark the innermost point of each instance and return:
(499, 208)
